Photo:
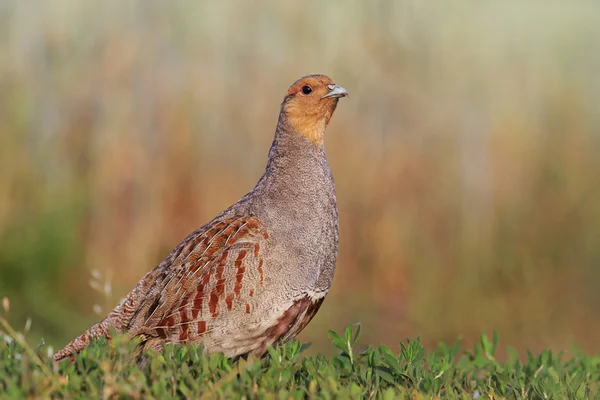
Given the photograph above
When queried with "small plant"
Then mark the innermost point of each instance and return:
(105, 369)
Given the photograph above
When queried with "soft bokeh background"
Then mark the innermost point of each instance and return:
(467, 159)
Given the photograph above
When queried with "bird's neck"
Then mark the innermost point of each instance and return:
(310, 127)
(296, 164)
(293, 152)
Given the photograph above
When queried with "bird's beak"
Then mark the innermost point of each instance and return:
(335, 91)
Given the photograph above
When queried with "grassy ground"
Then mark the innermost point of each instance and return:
(106, 370)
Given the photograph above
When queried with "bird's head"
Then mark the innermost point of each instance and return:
(309, 105)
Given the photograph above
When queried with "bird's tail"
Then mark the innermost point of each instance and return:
(100, 330)
(117, 320)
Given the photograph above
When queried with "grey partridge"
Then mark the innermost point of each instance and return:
(258, 272)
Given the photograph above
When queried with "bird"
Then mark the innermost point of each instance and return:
(256, 274)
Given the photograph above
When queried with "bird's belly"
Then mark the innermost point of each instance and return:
(294, 319)
(256, 335)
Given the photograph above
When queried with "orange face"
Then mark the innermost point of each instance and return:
(309, 105)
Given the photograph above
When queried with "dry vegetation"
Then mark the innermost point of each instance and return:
(466, 159)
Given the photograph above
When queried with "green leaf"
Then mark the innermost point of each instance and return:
(348, 334)
(337, 340)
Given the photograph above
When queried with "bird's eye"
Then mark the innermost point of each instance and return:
(306, 90)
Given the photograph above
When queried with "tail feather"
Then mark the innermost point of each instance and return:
(100, 330)
(119, 319)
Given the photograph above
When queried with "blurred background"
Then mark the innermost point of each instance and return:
(467, 158)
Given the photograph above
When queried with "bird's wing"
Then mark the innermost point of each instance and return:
(205, 275)
(210, 273)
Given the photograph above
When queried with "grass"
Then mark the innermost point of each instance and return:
(105, 370)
